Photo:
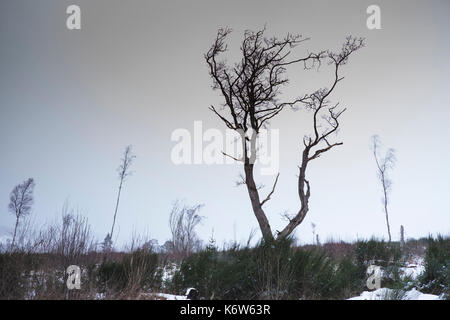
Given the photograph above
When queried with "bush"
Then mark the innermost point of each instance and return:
(377, 252)
(269, 271)
(217, 275)
(436, 277)
(136, 271)
(12, 284)
(349, 279)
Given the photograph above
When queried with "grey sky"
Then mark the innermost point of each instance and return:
(70, 101)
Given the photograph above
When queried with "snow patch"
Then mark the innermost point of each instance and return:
(385, 293)
(414, 268)
(167, 296)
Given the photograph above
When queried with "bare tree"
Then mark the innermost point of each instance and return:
(69, 238)
(313, 227)
(384, 165)
(182, 222)
(402, 237)
(124, 172)
(251, 90)
(20, 201)
(73, 236)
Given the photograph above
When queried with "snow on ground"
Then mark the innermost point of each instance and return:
(99, 296)
(414, 268)
(166, 296)
(417, 295)
(385, 293)
(168, 272)
(146, 296)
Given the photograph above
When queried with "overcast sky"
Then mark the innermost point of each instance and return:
(70, 101)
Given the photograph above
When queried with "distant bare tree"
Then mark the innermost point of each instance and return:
(251, 90)
(20, 201)
(384, 165)
(124, 172)
(402, 237)
(69, 238)
(73, 236)
(313, 227)
(182, 222)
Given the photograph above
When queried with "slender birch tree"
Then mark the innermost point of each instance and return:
(384, 165)
(20, 202)
(123, 171)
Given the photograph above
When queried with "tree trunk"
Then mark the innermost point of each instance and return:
(386, 208)
(304, 198)
(115, 211)
(402, 237)
(387, 222)
(256, 203)
(15, 231)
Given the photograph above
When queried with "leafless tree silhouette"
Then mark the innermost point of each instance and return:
(251, 90)
(124, 172)
(20, 202)
(182, 222)
(384, 165)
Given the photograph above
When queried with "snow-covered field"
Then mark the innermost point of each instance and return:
(413, 269)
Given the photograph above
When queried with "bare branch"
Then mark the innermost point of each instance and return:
(235, 159)
(271, 192)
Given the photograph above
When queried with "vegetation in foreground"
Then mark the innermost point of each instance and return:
(275, 270)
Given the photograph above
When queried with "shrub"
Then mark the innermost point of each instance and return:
(377, 252)
(217, 275)
(138, 270)
(12, 284)
(268, 271)
(436, 277)
(349, 278)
